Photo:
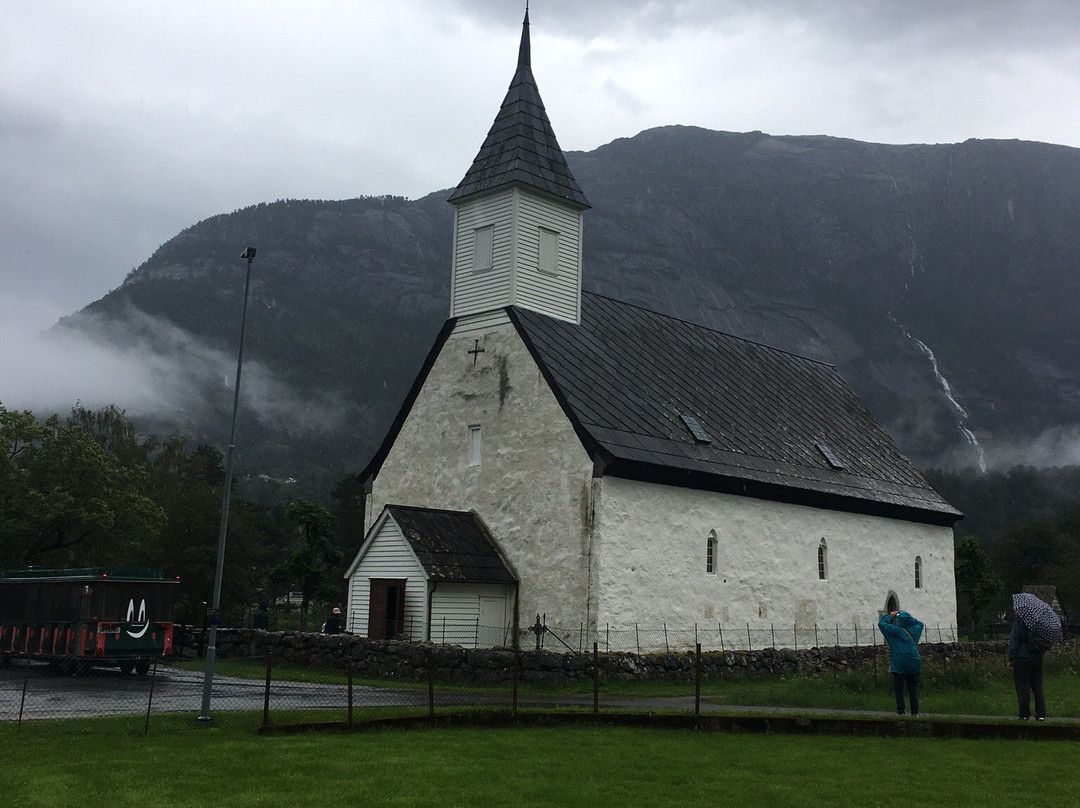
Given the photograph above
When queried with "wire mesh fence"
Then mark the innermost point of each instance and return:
(356, 684)
(34, 690)
(283, 692)
(640, 639)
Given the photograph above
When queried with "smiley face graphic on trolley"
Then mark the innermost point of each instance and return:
(142, 618)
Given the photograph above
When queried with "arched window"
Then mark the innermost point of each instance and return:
(918, 572)
(823, 561)
(710, 553)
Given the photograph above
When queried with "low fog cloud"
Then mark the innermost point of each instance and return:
(1058, 446)
(160, 373)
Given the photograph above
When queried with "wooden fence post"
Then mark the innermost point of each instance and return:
(150, 698)
(348, 676)
(431, 683)
(697, 680)
(595, 679)
(266, 692)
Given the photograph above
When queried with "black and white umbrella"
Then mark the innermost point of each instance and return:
(1038, 616)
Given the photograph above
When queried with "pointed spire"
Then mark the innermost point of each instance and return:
(521, 147)
(524, 49)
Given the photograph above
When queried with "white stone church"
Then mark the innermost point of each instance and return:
(567, 455)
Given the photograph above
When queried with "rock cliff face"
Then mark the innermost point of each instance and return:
(941, 280)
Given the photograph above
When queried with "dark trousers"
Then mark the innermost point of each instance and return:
(1028, 678)
(911, 681)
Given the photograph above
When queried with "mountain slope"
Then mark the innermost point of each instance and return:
(941, 280)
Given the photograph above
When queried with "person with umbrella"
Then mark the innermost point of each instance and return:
(1036, 627)
(902, 633)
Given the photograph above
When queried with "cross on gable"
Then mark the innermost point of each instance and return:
(476, 351)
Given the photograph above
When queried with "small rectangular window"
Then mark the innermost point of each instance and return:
(549, 251)
(696, 429)
(830, 456)
(483, 252)
(474, 445)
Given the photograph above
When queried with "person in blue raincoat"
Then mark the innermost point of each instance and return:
(902, 633)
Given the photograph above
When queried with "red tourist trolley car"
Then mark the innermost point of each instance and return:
(78, 618)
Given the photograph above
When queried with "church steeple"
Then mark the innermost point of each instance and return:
(517, 215)
(521, 146)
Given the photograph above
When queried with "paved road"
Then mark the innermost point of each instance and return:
(43, 693)
(39, 693)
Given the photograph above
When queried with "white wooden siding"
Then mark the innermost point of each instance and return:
(455, 614)
(516, 217)
(484, 321)
(388, 556)
(556, 295)
(472, 290)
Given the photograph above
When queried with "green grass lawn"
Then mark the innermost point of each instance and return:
(179, 763)
(109, 762)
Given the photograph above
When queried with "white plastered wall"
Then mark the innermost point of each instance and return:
(650, 542)
(533, 482)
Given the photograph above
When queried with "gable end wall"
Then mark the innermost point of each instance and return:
(389, 556)
(533, 484)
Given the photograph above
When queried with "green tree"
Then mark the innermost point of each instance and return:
(116, 434)
(315, 564)
(977, 586)
(348, 507)
(65, 501)
(1023, 552)
(188, 486)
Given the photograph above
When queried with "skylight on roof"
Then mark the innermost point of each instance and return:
(696, 429)
(830, 456)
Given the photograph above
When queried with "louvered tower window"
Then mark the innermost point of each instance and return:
(549, 251)
(483, 248)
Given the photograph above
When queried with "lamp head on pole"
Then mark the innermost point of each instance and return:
(249, 253)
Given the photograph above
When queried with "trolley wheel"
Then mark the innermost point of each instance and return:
(126, 666)
(142, 666)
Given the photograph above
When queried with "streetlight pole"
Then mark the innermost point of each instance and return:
(211, 646)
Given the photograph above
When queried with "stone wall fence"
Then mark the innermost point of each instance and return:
(410, 660)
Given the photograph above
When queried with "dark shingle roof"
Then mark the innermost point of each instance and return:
(521, 147)
(452, 545)
(626, 376)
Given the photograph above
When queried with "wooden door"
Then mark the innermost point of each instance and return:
(386, 608)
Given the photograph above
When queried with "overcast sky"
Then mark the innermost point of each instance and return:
(123, 122)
